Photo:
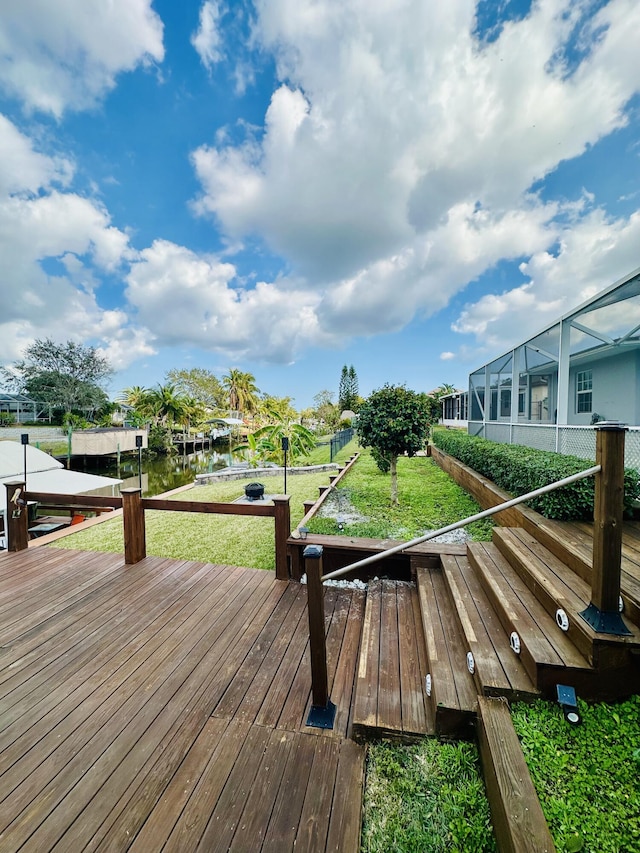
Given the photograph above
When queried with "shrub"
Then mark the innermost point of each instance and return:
(518, 470)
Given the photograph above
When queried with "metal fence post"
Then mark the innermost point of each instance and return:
(323, 711)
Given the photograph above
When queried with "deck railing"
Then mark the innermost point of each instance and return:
(603, 612)
(133, 506)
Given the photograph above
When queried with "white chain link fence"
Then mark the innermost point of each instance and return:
(570, 440)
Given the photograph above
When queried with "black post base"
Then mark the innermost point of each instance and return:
(605, 621)
(322, 718)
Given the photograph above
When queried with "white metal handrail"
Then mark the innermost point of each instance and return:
(396, 549)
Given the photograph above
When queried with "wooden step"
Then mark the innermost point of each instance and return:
(518, 821)
(547, 654)
(630, 575)
(390, 699)
(497, 670)
(454, 696)
(556, 586)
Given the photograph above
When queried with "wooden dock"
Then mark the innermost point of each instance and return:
(162, 706)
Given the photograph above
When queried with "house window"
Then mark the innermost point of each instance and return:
(584, 391)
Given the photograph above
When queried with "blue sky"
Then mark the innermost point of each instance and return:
(286, 186)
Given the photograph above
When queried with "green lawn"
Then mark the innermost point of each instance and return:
(427, 798)
(221, 539)
(428, 499)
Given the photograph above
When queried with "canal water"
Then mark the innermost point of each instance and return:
(159, 473)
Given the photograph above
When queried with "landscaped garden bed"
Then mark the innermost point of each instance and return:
(428, 499)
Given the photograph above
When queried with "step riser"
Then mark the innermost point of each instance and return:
(595, 653)
(528, 661)
(451, 719)
(497, 672)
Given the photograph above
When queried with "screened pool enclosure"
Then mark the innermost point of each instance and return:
(548, 391)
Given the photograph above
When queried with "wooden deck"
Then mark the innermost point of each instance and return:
(162, 706)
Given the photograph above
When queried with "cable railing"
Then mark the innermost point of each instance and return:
(602, 613)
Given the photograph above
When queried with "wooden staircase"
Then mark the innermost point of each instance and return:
(486, 624)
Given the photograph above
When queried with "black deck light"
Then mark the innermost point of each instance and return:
(139, 446)
(285, 448)
(24, 440)
(568, 702)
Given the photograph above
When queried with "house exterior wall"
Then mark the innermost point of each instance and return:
(615, 389)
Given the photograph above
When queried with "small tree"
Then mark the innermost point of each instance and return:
(392, 422)
(326, 410)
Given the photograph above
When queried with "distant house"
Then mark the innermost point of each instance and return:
(548, 391)
(454, 409)
(16, 408)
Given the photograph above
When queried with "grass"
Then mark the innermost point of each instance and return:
(55, 448)
(428, 499)
(428, 798)
(220, 539)
(587, 776)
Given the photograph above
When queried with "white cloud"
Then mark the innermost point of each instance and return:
(447, 356)
(399, 153)
(207, 40)
(24, 170)
(593, 254)
(67, 54)
(182, 298)
(55, 246)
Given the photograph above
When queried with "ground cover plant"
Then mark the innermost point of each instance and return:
(587, 776)
(427, 499)
(428, 798)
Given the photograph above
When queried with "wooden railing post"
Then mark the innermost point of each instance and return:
(603, 613)
(323, 711)
(283, 531)
(16, 529)
(135, 541)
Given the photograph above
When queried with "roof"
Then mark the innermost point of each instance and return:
(625, 288)
(44, 473)
(228, 421)
(5, 397)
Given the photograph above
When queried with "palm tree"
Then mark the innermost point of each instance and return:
(242, 390)
(168, 404)
(135, 396)
(445, 389)
(301, 440)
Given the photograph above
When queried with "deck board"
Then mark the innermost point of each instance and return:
(128, 718)
(390, 699)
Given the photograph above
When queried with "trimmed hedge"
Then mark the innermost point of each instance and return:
(518, 469)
